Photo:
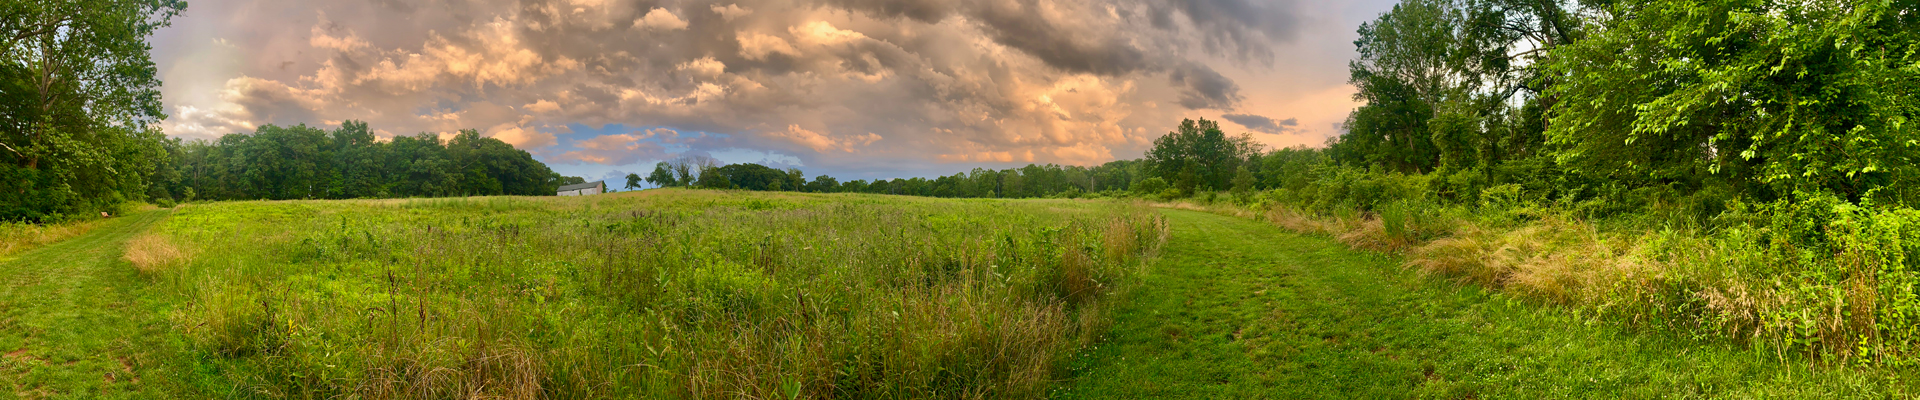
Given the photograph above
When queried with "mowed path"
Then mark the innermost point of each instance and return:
(70, 325)
(1237, 309)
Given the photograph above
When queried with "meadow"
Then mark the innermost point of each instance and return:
(655, 294)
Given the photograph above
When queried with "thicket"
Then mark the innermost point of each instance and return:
(301, 162)
(659, 294)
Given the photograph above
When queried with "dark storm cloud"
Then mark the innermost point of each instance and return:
(1203, 88)
(1264, 124)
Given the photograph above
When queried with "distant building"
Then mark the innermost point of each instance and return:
(596, 187)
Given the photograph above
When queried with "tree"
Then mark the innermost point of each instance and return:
(662, 175)
(299, 162)
(1198, 156)
(1440, 79)
(712, 178)
(1776, 100)
(823, 184)
(633, 181)
(1243, 183)
(1149, 186)
(79, 100)
(683, 170)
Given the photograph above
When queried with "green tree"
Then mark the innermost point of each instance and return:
(1772, 99)
(823, 184)
(79, 100)
(712, 178)
(662, 175)
(1198, 156)
(1243, 183)
(1441, 80)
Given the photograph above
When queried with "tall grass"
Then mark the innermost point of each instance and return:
(1820, 278)
(17, 237)
(654, 294)
(152, 254)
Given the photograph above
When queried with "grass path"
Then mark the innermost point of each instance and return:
(70, 322)
(1240, 309)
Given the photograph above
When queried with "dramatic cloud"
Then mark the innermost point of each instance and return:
(848, 85)
(1264, 124)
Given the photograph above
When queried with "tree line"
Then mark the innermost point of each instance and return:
(301, 162)
(1197, 157)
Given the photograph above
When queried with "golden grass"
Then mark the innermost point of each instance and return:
(151, 253)
(19, 237)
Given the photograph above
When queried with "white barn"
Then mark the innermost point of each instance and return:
(596, 187)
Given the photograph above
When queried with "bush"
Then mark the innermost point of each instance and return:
(1150, 186)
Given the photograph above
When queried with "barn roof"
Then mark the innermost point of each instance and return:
(587, 185)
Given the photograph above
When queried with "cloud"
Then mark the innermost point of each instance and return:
(660, 20)
(730, 11)
(520, 137)
(894, 81)
(823, 143)
(1264, 124)
(620, 149)
(1203, 88)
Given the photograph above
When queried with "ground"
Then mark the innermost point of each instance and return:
(1233, 308)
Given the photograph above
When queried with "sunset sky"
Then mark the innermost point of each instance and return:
(850, 88)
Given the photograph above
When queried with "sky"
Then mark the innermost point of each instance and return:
(856, 89)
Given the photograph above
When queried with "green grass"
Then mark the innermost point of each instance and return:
(656, 294)
(700, 294)
(1241, 309)
(73, 323)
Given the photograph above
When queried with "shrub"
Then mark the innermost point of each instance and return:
(1150, 186)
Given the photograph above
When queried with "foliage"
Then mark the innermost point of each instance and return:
(1198, 156)
(1447, 83)
(1776, 100)
(79, 104)
(662, 176)
(301, 162)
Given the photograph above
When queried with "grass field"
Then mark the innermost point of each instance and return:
(661, 294)
(702, 294)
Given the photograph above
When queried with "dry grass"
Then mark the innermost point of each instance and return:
(153, 253)
(19, 237)
(1304, 222)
